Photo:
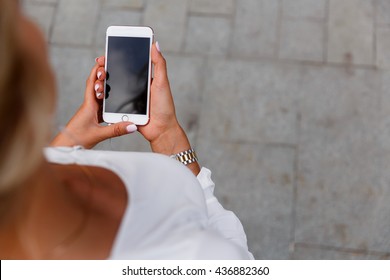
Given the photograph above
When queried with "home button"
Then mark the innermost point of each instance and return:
(125, 118)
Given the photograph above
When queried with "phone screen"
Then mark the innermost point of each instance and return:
(127, 75)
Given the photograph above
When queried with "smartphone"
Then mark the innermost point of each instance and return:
(128, 68)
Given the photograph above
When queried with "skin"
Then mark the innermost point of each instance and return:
(59, 211)
(163, 131)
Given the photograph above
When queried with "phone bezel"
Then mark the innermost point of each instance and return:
(134, 32)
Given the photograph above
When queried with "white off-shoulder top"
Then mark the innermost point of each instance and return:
(171, 214)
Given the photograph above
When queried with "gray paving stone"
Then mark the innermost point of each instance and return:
(382, 230)
(224, 7)
(41, 15)
(41, 1)
(338, 117)
(168, 19)
(304, 9)
(350, 32)
(383, 47)
(315, 253)
(250, 101)
(256, 182)
(114, 17)
(339, 187)
(130, 4)
(302, 40)
(186, 76)
(255, 28)
(383, 12)
(379, 223)
(208, 36)
(72, 67)
(385, 112)
(75, 22)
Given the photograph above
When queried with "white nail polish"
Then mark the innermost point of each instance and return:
(98, 94)
(97, 86)
(131, 128)
(158, 46)
(99, 74)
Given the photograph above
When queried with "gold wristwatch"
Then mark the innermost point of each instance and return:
(186, 157)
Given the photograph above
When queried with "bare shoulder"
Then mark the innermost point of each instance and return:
(99, 188)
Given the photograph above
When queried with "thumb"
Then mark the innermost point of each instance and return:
(160, 67)
(117, 129)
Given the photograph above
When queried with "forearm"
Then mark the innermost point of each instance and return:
(61, 141)
(67, 136)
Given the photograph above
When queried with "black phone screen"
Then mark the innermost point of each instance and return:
(126, 88)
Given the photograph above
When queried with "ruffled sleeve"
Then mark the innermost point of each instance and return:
(221, 220)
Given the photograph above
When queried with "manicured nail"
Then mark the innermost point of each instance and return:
(131, 128)
(99, 74)
(97, 86)
(158, 47)
(96, 59)
(98, 94)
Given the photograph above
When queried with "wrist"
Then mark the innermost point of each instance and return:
(172, 142)
(62, 141)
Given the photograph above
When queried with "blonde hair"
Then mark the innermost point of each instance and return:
(25, 105)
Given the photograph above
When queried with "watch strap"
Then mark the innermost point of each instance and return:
(186, 157)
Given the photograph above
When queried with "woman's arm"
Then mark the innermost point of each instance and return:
(163, 131)
(85, 129)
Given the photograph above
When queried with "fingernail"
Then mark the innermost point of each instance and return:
(99, 74)
(97, 86)
(158, 47)
(96, 59)
(98, 94)
(131, 128)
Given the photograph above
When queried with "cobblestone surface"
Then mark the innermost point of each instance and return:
(287, 102)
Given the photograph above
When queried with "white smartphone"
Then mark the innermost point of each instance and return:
(128, 68)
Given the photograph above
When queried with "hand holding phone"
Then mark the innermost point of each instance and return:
(128, 74)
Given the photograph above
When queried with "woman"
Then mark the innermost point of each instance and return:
(67, 202)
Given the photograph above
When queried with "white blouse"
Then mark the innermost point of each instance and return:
(171, 214)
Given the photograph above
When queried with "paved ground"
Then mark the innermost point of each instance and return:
(286, 101)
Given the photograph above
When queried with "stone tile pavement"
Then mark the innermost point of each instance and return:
(288, 102)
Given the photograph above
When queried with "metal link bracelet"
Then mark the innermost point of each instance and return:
(186, 157)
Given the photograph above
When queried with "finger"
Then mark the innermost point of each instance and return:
(99, 88)
(160, 66)
(90, 85)
(101, 74)
(101, 61)
(99, 95)
(118, 129)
